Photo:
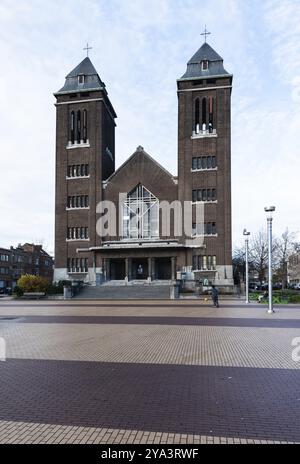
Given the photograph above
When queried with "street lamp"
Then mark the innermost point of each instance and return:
(246, 233)
(270, 210)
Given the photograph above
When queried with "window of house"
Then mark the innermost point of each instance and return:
(72, 127)
(85, 135)
(204, 162)
(213, 228)
(81, 79)
(204, 195)
(78, 170)
(197, 116)
(204, 121)
(214, 263)
(78, 126)
(76, 233)
(204, 65)
(77, 264)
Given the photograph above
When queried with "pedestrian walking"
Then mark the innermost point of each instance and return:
(215, 296)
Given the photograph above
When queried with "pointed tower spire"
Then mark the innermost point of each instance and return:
(82, 78)
(205, 63)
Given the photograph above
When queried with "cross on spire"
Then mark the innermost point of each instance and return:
(205, 33)
(87, 48)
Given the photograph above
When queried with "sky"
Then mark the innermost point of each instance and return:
(140, 48)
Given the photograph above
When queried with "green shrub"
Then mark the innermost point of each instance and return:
(32, 283)
(294, 299)
(57, 288)
(17, 291)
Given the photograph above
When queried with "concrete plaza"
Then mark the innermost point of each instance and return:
(148, 372)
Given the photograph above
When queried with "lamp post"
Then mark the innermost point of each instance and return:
(246, 234)
(269, 210)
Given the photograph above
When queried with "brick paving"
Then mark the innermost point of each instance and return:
(148, 372)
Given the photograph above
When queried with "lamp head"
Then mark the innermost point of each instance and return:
(245, 232)
(269, 209)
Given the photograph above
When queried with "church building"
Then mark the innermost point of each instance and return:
(138, 247)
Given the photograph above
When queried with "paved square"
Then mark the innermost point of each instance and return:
(148, 372)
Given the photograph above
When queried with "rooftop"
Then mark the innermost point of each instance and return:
(82, 78)
(197, 68)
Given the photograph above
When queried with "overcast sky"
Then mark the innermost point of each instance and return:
(140, 48)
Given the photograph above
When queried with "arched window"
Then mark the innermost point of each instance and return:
(72, 127)
(197, 116)
(85, 137)
(140, 214)
(211, 115)
(78, 126)
(204, 111)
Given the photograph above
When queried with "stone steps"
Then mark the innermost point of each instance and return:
(122, 292)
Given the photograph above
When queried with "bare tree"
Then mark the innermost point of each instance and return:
(286, 246)
(258, 252)
(238, 262)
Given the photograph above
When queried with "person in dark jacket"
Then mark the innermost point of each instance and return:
(215, 296)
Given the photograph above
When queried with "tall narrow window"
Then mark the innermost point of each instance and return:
(85, 126)
(78, 126)
(72, 127)
(204, 65)
(197, 115)
(211, 116)
(214, 263)
(209, 262)
(204, 114)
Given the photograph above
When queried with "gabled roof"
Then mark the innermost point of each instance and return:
(91, 82)
(138, 152)
(215, 64)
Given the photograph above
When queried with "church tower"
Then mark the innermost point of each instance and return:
(204, 160)
(85, 157)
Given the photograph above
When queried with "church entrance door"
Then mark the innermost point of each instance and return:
(163, 269)
(117, 269)
(139, 269)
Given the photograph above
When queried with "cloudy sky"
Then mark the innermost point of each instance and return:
(140, 48)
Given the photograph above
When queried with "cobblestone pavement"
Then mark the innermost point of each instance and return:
(148, 372)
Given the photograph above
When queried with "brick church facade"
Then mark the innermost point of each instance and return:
(138, 247)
